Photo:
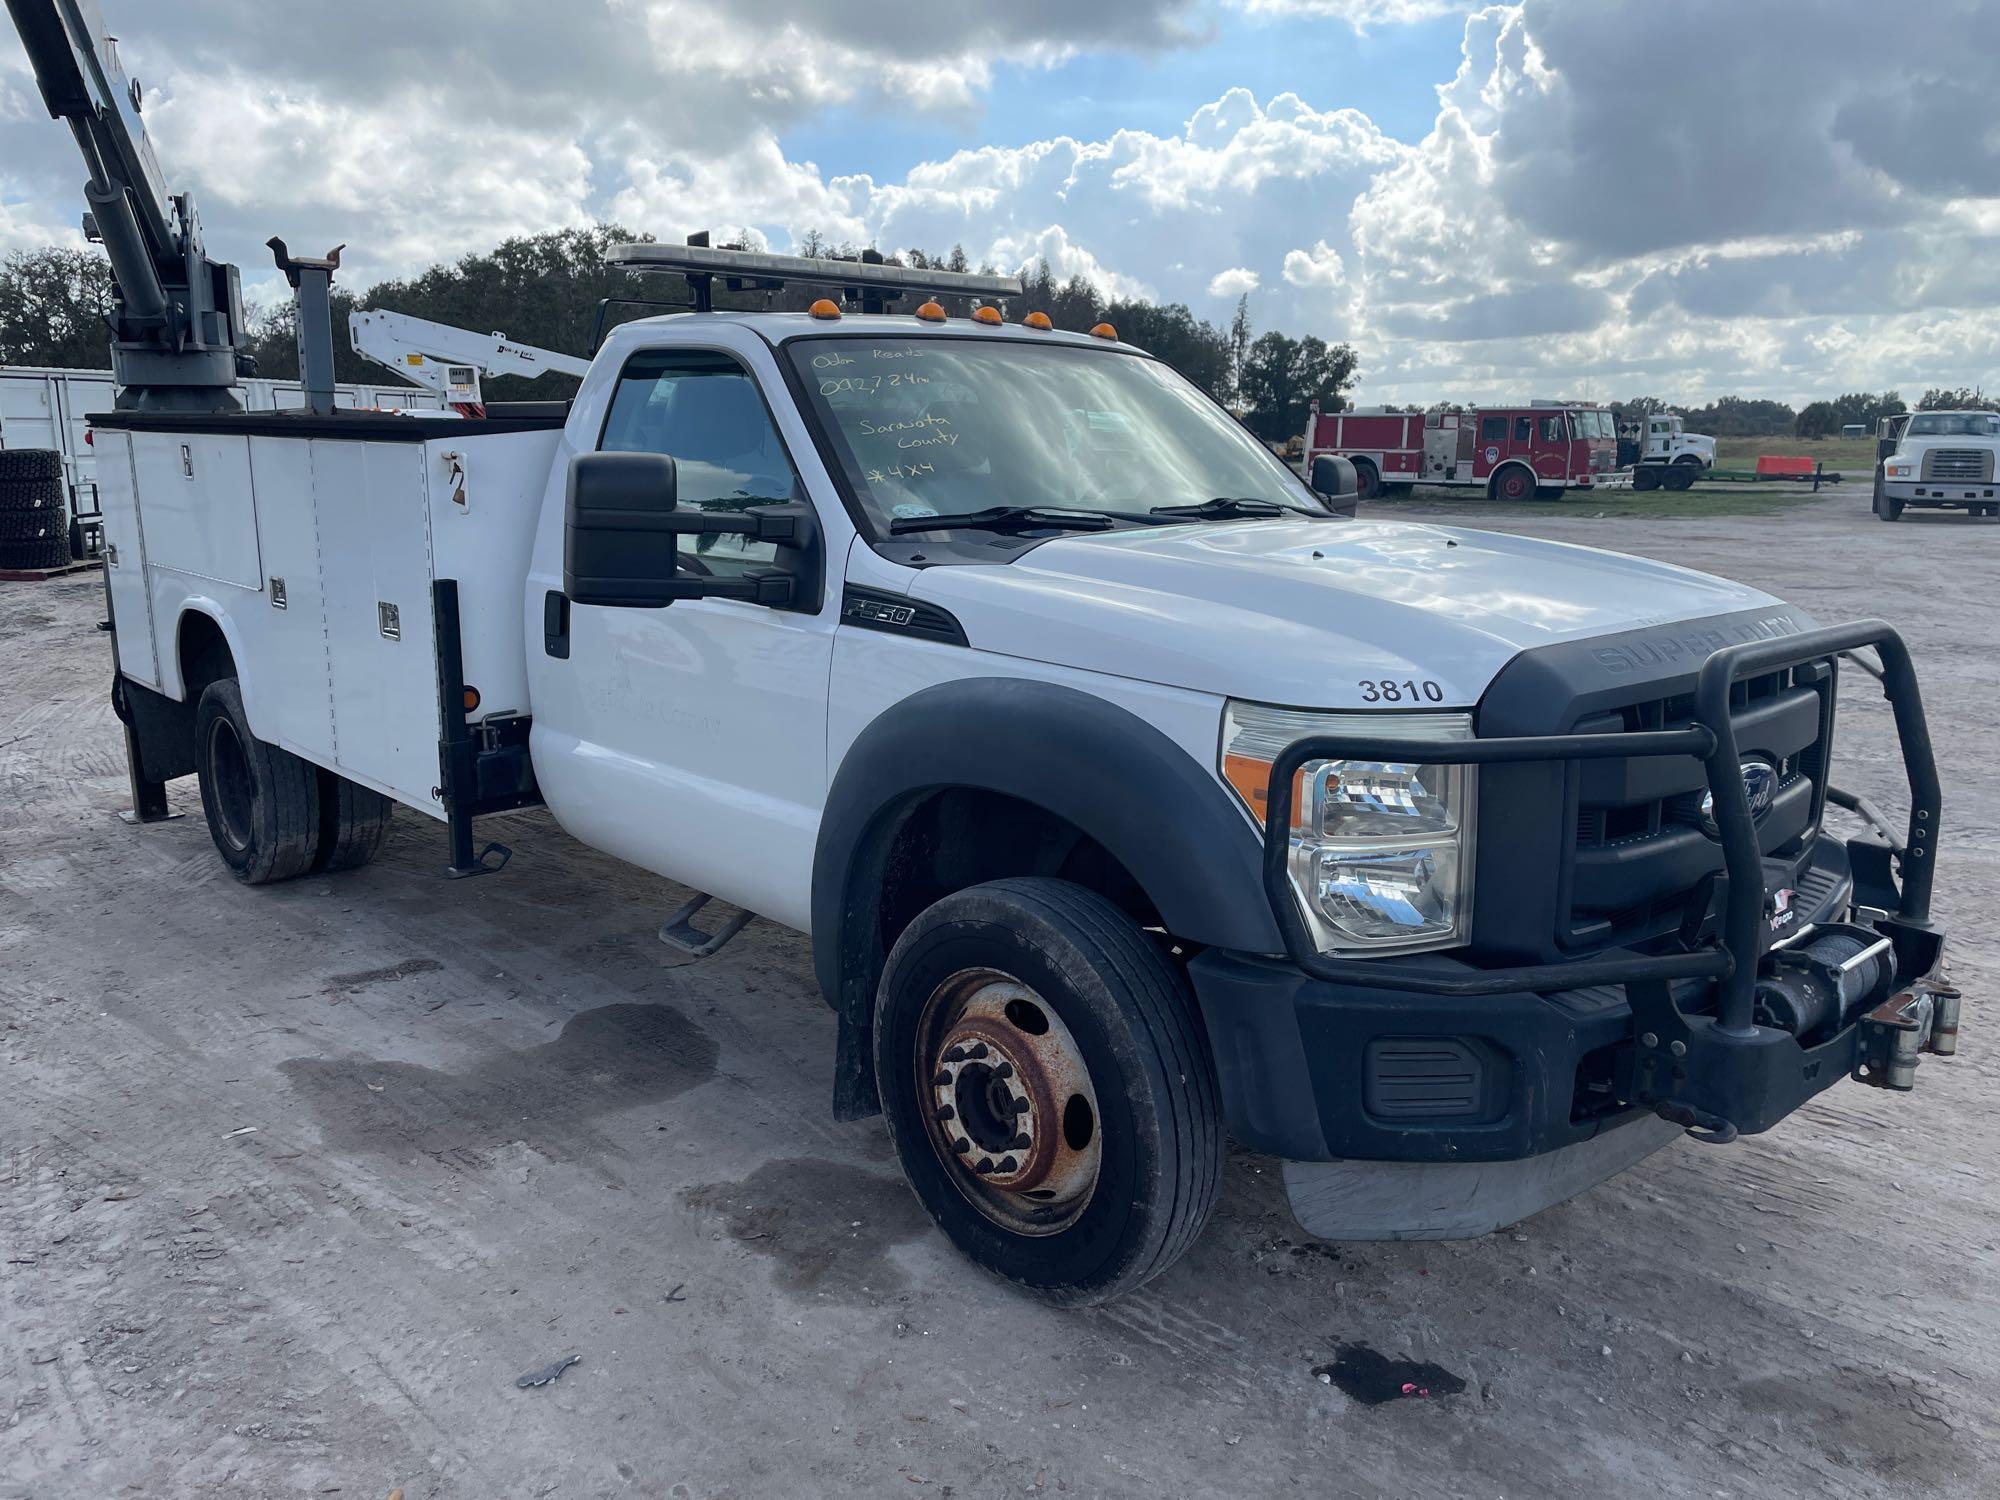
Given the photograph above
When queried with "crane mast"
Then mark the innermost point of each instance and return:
(178, 319)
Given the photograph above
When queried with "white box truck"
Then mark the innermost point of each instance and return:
(1130, 798)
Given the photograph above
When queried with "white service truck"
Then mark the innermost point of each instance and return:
(1654, 441)
(1129, 797)
(1941, 459)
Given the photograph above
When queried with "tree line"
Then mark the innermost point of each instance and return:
(555, 290)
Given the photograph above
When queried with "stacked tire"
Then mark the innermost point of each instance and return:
(34, 518)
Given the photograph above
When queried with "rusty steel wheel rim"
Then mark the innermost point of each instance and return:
(1008, 1102)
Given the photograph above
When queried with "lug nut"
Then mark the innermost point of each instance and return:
(1022, 1141)
(1022, 1106)
(954, 1054)
(1008, 1164)
(1005, 1070)
(977, 1049)
(946, 1112)
(985, 1167)
(961, 1145)
(943, 1080)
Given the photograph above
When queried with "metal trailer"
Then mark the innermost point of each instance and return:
(43, 407)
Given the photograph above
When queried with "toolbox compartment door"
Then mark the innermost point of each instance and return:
(375, 559)
(125, 561)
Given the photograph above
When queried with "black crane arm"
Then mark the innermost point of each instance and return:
(180, 315)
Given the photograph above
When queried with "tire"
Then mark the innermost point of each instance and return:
(1646, 477)
(1687, 460)
(29, 525)
(1679, 477)
(353, 821)
(1513, 483)
(1887, 506)
(29, 463)
(41, 552)
(30, 494)
(1367, 480)
(262, 802)
(1119, 1156)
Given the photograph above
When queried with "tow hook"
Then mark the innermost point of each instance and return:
(1710, 1130)
(1894, 1035)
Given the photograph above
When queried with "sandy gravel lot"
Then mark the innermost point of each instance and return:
(295, 1182)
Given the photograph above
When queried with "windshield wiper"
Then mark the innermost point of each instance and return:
(1009, 518)
(1228, 508)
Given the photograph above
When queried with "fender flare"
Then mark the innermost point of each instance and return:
(173, 679)
(1096, 765)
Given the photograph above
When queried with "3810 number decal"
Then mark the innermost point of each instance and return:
(1408, 690)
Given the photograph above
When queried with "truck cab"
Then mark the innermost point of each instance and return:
(1943, 460)
(1661, 438)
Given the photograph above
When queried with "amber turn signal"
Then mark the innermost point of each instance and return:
(471, 697)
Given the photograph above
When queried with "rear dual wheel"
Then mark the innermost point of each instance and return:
(1048, 1087)
(272, 815)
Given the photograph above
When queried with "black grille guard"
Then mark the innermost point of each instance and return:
(1732, 960)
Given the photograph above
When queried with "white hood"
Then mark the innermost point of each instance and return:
(1302, 613)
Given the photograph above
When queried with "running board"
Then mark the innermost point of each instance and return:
(679, 932)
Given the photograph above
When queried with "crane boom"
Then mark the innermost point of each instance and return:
(179, 315)
(450, 360)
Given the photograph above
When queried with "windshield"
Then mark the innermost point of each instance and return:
(1592, 424)
(949, 427)
(1955, 424)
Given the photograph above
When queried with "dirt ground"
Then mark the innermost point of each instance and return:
(296, 1182)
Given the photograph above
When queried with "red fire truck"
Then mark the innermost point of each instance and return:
(1512, 452)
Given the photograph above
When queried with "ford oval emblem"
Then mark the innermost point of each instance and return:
(1760, 789)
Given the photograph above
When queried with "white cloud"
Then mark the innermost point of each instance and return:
(1319, 266)
(1362, 15)
(1571, 215)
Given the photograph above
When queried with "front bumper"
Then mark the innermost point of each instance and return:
(1942, 492)
(1435, 1059)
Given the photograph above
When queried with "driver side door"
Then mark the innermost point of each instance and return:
(690, 739)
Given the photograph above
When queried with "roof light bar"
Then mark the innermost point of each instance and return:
(760, 266)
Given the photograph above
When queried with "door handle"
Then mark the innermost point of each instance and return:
(555, 624)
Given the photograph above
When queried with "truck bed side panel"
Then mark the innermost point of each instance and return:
(484, 543)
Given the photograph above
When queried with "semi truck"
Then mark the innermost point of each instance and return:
(1132, 798)
(1944, 460)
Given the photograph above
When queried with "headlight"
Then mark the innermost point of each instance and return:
(1899, 471)
(1381, 851)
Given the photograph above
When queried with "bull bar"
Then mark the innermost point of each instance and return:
(1721, 1075)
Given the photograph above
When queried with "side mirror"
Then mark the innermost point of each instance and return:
(1333, 480)
(622, 527)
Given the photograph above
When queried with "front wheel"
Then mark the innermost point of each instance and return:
(1367, 482)
(1514, 483)
(1048, 1086)
(1887, 506)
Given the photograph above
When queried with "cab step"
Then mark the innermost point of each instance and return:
(679, 932)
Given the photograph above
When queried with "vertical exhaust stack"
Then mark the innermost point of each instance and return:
(312, 289)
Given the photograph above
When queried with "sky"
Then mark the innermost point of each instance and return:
(1599, 198)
